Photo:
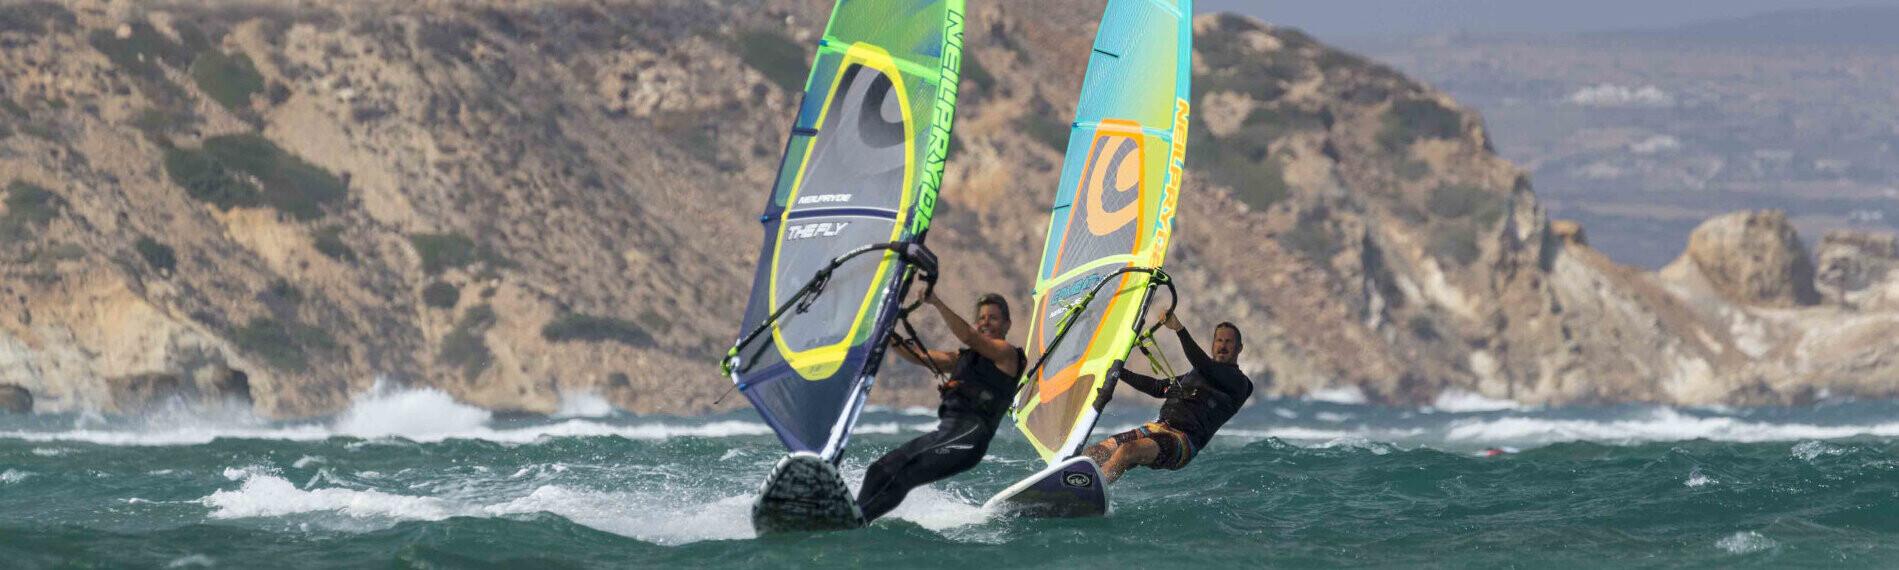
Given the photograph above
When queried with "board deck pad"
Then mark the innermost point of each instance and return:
(804, 493)
(1070, 489)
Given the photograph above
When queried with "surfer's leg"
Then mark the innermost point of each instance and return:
(1142, 451)
(880, 493)
(953, 448)
(1100, 452)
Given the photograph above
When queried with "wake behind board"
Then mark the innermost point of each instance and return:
(804, 493)
(1070, 489)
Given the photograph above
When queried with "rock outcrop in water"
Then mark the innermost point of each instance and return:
(1754, 258)
(510, 203)
(1856, 269)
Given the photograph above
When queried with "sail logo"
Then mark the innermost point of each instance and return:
(1079, 480)
(936, 148)
(1065, 296)
(824, 199)
(1176, 171)
(818, 230)
(1116, 162)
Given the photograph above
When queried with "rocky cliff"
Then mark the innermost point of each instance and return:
(285, 204)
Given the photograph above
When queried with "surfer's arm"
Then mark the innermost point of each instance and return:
(1145, 384)
(938, 359)
(996, 350)
(1198, 358)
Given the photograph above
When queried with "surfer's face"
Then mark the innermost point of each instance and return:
(991, 321)
(1226, 346)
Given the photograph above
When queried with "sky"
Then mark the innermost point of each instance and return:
(1364, 19)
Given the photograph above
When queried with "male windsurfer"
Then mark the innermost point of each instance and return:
(982, 377)
(1198, 403)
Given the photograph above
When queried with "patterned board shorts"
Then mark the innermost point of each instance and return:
(1175, 449)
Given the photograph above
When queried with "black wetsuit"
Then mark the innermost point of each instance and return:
(1200, 401)
(974, 402)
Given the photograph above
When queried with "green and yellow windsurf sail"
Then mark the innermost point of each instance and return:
(1112, 219)
(845, 221)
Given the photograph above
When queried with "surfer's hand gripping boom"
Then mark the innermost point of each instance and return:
(921, 260)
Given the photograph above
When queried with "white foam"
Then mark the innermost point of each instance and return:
(892, 427)
(905, 411)
(308, 460)
(1811, 450)
(169, 437)
(266, 495)
(583, 405)
(1745, 542)
(660, 516)
(51, 451)
(1332, 417)
(1376, 448)
(584, 428)
(426, 414)
(1661, 424)
(879, 427)
(1696, 478)
(1347, 394)
(657, 516)
(13, 476)
(192, 561)
(1461, 401)
(938, 510)
(1287, 433)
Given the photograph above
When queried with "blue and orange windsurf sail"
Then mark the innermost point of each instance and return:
(1112, 219)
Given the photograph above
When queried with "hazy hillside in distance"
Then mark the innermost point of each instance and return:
(1837, 26)
(1642, 134)
(514, 203)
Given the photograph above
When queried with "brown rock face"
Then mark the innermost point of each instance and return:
(232, 385)
(1569, 231)
(1856, 268)
(15, 400)
(139, 392)
(1754, 258)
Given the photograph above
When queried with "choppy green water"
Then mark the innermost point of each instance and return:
(413, 480)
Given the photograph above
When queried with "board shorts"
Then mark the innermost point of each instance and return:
(1175, 449)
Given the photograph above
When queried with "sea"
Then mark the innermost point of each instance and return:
(414, 479)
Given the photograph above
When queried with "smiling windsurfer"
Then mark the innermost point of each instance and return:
(982, 376)
(1198, 403)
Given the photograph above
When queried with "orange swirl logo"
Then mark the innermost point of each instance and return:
(1115, 162)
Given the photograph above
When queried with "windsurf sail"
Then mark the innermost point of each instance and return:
(845, 222)
(1112, 219)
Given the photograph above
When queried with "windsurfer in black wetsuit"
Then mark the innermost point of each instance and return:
(982, 379)
(1198, 403)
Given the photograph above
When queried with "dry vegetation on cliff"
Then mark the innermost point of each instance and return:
(514, 202)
